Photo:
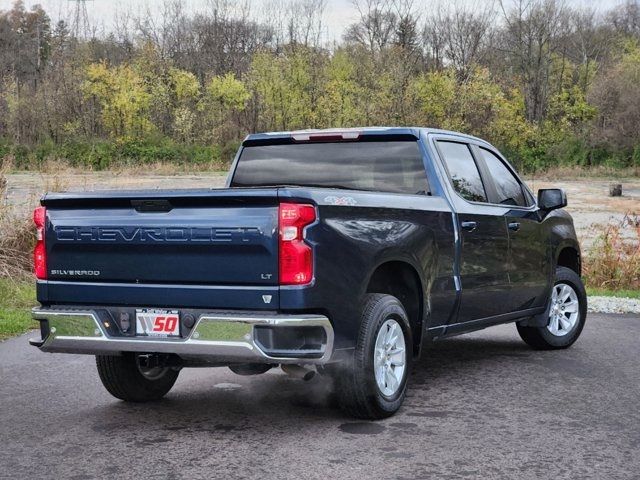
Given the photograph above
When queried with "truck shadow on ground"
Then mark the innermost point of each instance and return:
(218, 401)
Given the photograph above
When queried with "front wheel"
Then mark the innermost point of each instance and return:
(373, 384)
(567, 314)
(124, 378)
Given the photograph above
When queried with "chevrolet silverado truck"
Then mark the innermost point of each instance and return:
(339, 251)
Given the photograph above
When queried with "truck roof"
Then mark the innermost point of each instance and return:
(377, 131)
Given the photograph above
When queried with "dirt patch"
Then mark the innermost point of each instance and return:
(591, 206)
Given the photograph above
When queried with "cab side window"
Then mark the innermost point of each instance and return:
(509, 189)
(463, 171)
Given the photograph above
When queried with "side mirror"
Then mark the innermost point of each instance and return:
(551, 199)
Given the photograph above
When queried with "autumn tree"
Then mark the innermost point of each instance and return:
(616, 95)
(123, 97)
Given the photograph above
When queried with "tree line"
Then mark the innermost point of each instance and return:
(546, 83)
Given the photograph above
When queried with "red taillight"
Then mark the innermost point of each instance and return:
(296, 257)
(40, 252)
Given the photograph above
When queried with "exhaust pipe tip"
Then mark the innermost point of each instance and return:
(298, 371)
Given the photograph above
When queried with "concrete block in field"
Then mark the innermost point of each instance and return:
(615, 190)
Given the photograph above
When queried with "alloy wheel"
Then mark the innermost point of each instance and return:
(565, 310)
(390, 357)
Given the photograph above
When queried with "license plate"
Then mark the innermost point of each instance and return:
(158, 323)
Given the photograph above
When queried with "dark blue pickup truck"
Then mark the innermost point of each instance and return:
(337, 251)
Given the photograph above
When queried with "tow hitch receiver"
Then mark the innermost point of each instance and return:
(154, 360)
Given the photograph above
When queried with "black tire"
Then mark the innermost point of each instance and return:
(541, 338)
(123, 379)
(356, 387)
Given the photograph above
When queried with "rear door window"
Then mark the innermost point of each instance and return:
(507, 185)
(463, 171)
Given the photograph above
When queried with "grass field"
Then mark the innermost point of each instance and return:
(599, 292)
(16, 300)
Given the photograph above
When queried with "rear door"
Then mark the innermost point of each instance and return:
(484, 265)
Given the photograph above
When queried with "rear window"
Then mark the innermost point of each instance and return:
(463, 171)
(376, 166)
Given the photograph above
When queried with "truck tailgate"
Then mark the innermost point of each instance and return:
(200, 237)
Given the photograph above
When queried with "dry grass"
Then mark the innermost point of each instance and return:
(61, 167)
(16, 237)
(55, 183)
(578, 172)
(614, 261)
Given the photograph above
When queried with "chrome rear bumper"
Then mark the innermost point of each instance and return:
(216, 337)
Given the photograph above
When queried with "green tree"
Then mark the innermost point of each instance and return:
(225, 97)
(288, 87)
(187, 93)
(436, 100)
(341, 94)
(123, 98)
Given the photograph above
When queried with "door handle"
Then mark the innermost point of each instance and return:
(469, 226)
(515, 226)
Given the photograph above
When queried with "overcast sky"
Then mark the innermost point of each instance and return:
(338, 15)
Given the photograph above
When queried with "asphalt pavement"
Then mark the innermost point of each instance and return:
(481, 405)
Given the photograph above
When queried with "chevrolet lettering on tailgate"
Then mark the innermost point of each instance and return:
(157, 234)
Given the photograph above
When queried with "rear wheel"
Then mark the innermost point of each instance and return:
(124, 378)
(373, 383)
(567, 314)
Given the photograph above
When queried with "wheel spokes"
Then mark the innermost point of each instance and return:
(396, 351)
(553, 326)
(571, 307)
(392, 336)
(564, 321)
(380, 374)
(391, 380)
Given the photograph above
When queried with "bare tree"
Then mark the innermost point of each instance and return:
(433, 42)
(305, 22)
(465, 34)
(163, 31)
(270, 14)
(625, 18)
(529, 41)
(408, 18)
(376, 26)
(590, 42)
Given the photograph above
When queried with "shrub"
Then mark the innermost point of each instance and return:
(105, 154)
(614, 261)
(16, 238)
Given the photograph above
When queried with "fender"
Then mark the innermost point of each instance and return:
(390, 255)
(424, 288)
(567, 243)
(562, 235)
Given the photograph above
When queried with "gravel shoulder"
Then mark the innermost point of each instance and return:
(613, 305)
